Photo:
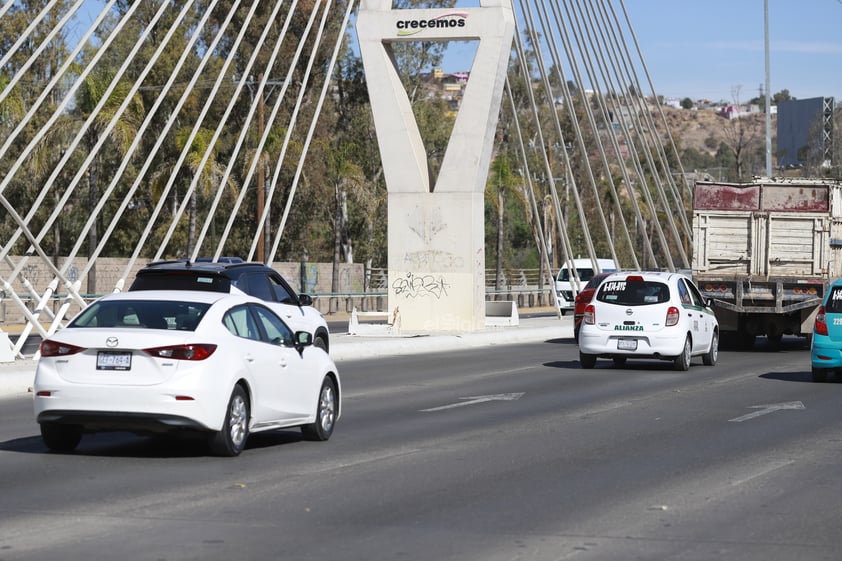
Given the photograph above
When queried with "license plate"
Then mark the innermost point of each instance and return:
(626, 344)
(113, 361)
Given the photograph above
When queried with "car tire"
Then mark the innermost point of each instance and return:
(819, 374)
(682, 361)
(326, 411)
(61, 438)
(320, 342)
(586, 360)
(231, 440)
(709, 358)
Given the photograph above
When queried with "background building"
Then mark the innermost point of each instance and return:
(805, 132)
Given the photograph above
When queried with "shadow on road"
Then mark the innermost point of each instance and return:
(805, 376)
(129, 445)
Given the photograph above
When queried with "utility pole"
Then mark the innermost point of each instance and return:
(261, 193)
(768, 92)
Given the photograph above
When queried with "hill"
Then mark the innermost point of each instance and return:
(705, 129)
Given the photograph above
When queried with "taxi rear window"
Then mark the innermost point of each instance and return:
(834, 301)
(633, 292)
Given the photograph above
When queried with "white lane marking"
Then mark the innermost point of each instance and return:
(769, 468)
(766, 409)
(473, 400)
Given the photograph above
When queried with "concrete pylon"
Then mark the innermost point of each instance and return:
(436, 232)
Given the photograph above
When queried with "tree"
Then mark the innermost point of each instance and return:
(125, 128)
(500, 182)
(209, 176)
(687, 103)
(742, 134)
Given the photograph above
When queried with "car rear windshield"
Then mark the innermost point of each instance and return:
(834, 301)
(148, 314)
(181, 280)
(633, 292)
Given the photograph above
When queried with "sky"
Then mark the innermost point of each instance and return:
(707, 48)
(714, 49)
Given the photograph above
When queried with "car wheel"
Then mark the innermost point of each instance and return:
(326, 410)
(586, 360)
(231, 440)
(709, 358)
(819, 374)
(320, 342)
(682, 361)
(61, 438)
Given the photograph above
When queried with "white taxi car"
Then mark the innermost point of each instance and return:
(651, 315)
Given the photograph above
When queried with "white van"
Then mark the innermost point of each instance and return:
(565, 283)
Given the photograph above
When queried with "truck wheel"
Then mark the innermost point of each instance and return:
(819, 374)
(773, 342)
(709, 358)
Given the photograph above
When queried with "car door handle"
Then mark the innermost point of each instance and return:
(284, 363)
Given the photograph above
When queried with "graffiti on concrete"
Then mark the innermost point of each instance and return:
(427, 224)
(434, 260)
(420, 286)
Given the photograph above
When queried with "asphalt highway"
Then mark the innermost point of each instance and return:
(495, 452)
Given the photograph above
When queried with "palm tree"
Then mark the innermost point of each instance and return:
(501, 181)
(123, 132)
(345, 176)
(11, 107)
(209, 177)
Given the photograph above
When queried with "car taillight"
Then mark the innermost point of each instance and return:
(672, 316)
(820, 327)
(54, 348)
(183, 352)
(590, 316)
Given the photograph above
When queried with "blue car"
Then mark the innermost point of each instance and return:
(826, 346)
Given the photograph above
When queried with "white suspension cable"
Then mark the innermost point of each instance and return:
(25, 37)
(198, 125)
(249, 119)
(315, 118)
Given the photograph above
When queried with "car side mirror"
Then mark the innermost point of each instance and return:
(303, 339)
(709, 303)
(305, 300)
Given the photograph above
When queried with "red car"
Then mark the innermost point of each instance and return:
(583, 299)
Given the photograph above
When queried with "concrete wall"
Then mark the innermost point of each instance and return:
(312, 278)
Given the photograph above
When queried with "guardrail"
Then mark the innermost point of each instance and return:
(328, 303)
(325, 302)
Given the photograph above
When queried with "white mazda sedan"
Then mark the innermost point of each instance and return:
(170, 361)
(651, 315)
